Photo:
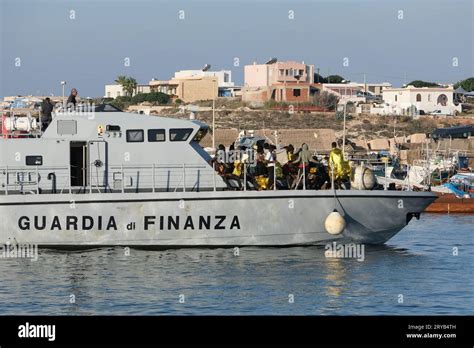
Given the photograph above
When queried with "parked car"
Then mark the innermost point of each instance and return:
(440, 113)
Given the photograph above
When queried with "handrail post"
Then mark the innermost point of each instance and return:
(153, 180)
(386, 179)
(332, 177)
(184, 177)
(245, 176)
(274, 176)
(69, 178)
(214, 174)
(6, 182)
(90, 177)
(304, 176)
(123, 178)
(37, 180)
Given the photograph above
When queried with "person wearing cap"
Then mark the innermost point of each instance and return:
(71, 101)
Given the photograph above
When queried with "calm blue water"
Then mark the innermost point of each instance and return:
(418, 264)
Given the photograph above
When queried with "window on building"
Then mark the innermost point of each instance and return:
(418, 97)
(282, 72)
(300, 72)
(118, 94)
(429, 97)
(396, 98)
(443, 100)
(156, 135)
(286, 72)
(296, 92)
(135, 136)
(180, 134)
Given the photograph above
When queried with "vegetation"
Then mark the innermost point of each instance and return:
(154, 98)
(420, 84)
(129, 84)
(328, 79)
(467, 84)
(325, 100)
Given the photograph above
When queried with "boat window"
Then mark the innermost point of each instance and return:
(156, 135)
(112, 128)
(180, 134)
(34, 160)
(67, 127)
(135, 136)
(200, 134)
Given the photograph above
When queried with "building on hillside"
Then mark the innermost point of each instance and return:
(116, 90)
(188, 89)
(279, 81)
(354, 91)
(226, 87)
(415, 101)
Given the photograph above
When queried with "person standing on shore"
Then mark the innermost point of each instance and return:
(71, 101)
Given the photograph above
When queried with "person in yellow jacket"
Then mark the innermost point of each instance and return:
(337, 163)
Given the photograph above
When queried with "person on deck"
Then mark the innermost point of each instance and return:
(270, 162)
(304, 157)
(71, 100)
(46, 114)
(338, 166)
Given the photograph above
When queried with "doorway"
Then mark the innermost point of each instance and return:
(78, 163)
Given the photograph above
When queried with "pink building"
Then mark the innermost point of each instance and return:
(265, 75)
(280, 81)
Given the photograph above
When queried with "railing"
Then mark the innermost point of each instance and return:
(114, 178)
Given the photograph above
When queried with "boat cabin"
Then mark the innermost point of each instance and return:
(108, 151)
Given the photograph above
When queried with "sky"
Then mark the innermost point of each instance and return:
(87, 42)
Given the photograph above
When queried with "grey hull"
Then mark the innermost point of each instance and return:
(274, 218)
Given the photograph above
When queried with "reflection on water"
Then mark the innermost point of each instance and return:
(418, 263)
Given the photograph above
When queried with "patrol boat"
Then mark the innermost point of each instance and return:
(110, 178)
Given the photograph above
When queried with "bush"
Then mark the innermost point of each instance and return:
(139, 98)
(122, 102)
(157, 97)
(178, 101)
(467, 84)
(325, 100)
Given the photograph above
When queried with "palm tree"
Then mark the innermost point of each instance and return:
(129, 84)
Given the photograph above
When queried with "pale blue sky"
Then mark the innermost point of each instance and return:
(89, 51)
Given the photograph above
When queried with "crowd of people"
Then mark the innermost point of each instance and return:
(262, 167)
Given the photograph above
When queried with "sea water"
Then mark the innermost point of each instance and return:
(426, 269)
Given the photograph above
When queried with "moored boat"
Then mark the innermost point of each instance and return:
(113, 178)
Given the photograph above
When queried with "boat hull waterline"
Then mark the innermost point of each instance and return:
(185, 219)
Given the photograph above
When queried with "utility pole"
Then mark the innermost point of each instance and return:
(214, 124)
(344, 133)
(365, 89)
(63, 84)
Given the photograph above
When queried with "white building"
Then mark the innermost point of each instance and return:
(416, 101)
(354, 91)
(116, 90)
